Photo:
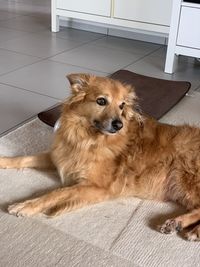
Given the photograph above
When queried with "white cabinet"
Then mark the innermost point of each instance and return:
(142, 15)
(96, 7)
(184, 36)
(189, 27)
(154, 11)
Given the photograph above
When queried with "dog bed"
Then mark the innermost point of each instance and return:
(156, 96)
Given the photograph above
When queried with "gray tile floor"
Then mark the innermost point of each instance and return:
(34, 61)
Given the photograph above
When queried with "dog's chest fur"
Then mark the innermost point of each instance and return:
(85, 160)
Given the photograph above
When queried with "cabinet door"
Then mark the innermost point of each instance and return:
(189, 30)
(97, 7)
(148, 11)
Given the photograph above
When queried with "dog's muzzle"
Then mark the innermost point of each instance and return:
(109, 126)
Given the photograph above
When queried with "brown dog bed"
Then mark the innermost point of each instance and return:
(156, 96)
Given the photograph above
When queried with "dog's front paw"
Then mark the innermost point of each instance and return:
(23, 209)
(170, 226)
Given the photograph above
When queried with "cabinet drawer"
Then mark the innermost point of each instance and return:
(189, 29)
(96, 7)
(154, 11)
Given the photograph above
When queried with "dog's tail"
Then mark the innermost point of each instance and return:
(40, 161)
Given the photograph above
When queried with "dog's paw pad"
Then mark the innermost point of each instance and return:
(170, 226)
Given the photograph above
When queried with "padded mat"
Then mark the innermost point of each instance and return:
(156, 96)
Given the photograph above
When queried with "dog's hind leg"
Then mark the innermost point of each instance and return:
(61, 200)
(42, 160)
(194, 234)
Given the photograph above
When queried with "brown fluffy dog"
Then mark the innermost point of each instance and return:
(105, 148)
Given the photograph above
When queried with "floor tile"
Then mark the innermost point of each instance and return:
(45, 77)
(18, 105)
(162, 52)
(97, 58)
(10, 61)
(188, 73)
(9, 34)
(34, 2)
(198, 88)
(10, 6)
(39, 44)
(133, 46)
(25, 8)
(4, 15)
(153, 65)
(185, 112)
(77, 35)
(27, 23)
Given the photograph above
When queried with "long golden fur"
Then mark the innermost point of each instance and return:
(104, 148)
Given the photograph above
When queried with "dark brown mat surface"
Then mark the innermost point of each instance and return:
(156, 96)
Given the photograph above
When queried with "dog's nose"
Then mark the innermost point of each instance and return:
(117, 124)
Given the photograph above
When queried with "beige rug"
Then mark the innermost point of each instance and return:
(115, 233)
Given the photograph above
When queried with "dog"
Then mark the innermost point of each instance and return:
(106, 148)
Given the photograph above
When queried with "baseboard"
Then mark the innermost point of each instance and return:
(137, 35)
(114, 31)
(83, 25)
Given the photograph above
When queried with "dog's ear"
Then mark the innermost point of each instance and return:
(131, 96)
(78, 81)
(132, 108)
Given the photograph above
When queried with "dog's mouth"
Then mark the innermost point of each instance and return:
(109, 127)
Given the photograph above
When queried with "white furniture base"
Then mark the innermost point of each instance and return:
(141, 15)
(184, 35)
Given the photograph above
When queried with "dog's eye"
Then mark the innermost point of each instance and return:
(101, 101)
(122, 105)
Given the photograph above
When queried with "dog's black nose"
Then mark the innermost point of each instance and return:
(117, 124)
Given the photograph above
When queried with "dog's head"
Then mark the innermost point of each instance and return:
(106, 104)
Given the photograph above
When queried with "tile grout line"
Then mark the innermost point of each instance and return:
(49, 58)
(83, 44)
(131, 40)
(68, 64)
(68, 50)
(24, 66)
(143, 57)
(18, 53)
(42, 59)
(13, 128)
(21, 31)
(25, 54)
(36, 93)
(125, 51)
